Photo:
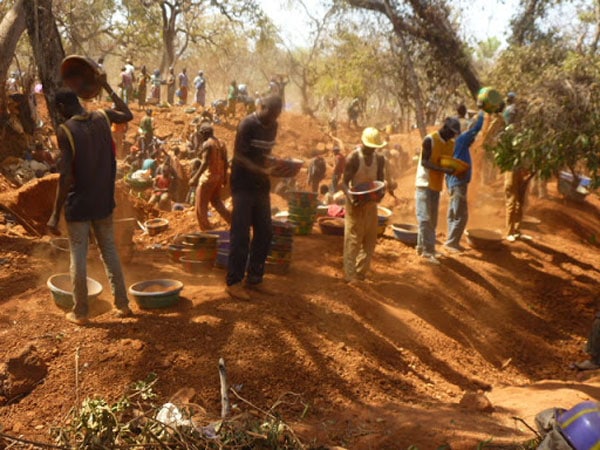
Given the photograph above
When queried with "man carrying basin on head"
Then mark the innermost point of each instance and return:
(363, 165)
(86, 189)
(429, 184)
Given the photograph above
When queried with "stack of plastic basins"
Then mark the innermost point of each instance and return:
(223, 249)
(280, 255)
(302, 209)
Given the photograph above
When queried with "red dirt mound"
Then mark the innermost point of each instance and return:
(383, 364)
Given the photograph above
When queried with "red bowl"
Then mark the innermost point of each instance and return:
(368, 192)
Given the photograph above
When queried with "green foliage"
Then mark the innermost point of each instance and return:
(559, 119)
(526, 24)
(487, 50)
(354, 64)
(484, 444)
(131, 422)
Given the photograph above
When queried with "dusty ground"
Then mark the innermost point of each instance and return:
(382, 365)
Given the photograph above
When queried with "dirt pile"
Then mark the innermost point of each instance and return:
(21, 372)
(383, 364)
(33, 201)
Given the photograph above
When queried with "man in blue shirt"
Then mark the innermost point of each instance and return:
(458, 212)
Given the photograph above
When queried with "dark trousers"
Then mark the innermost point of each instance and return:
(593, 345)
(251, 209)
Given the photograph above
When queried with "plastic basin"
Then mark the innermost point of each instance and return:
(60, 246)
(490, 99)
(332, 225)
(406, 233)
(285, 168)
(283, 228)
(222, 260)
(62, 290)
(196, 266)
(581, 425)
(458, 165)
(197, 240)
(81, 74)
(368, 192)
(155, 226)
(153, 294)
(484, 239)
(322, 211)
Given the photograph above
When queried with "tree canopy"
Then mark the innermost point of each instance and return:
(406, 60)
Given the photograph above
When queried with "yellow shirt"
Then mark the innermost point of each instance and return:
(434, 179)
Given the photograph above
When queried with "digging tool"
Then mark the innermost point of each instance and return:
(21, 221)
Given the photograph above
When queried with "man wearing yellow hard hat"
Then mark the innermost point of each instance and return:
(363, 167)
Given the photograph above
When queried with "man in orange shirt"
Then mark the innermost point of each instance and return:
(213, 176)
(118, 132)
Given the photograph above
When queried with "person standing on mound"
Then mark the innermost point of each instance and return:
(86, 189)
(458, 209)
(210, 178)
(363, 165)
(429, 183)
(250, 192)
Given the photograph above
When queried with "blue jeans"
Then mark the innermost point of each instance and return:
(251, 209)
(458, 214)
(335, 183)
(79, 233)
(427, 204)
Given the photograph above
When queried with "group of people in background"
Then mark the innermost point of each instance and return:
(86, 188)
(134, 85)
(454, 138)
(146, 88)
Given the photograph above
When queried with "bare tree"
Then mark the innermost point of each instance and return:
(428, 20)
(11, 29)
(304, 70)
(47, 49)
(181, 22)
(413, 81)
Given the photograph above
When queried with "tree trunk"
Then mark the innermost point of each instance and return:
(11, 29)
(447, 44)
(594, 45)
(304, 88)
(523, 26)
(413, 81)
(432, 26)
(47, 49)
(169, 34)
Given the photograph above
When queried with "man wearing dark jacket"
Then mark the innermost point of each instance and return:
(86, 189)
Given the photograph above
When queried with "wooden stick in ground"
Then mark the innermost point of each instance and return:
(77, 378)
(225, 405)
